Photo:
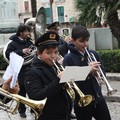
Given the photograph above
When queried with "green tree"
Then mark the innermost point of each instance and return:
(91, 13)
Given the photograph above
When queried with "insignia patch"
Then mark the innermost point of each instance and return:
(52, 36)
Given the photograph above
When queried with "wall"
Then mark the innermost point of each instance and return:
(102, 38)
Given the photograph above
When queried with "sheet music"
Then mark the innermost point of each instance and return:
(75, 73)
(13, 68)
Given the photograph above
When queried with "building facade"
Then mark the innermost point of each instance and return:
(56, 10)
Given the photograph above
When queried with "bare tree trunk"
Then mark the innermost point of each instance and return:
(33, 8)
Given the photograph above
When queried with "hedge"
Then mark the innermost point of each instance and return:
(110, 58)
(3, 63)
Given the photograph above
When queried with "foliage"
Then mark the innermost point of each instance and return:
(91, 11)
(111, 60)
(3, 63)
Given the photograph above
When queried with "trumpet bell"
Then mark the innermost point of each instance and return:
(84, 101)
(36, 106)
(111, 92)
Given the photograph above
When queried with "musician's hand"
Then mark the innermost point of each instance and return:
(95, 67)
(26, 51)
(59, 74)
(60, 61)
(6, 86)
(15, 90)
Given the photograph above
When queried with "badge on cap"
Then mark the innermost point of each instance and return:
(52, 36)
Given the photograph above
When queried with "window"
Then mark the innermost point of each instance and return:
(60, 14)
(48, 15)
(26, 4)
(66, 32)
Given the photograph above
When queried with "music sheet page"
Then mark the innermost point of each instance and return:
(13, 69)
(75, 73)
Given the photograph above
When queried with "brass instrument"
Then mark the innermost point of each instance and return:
(36, 106)
(71, 88)
(110, 90)
(27, 58)
(39, 23)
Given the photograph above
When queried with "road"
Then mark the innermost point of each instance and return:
(114, 108)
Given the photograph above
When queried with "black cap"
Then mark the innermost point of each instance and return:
(54, 25)
(48, 38)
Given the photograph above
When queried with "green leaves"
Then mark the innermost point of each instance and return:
(91, 11)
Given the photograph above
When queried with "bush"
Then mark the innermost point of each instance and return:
(3, 63)
(111, 59)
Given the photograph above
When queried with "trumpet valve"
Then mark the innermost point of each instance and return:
(69, 90)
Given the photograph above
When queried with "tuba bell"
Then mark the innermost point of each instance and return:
(36, 106)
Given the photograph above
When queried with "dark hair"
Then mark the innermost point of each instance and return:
(80, 32)
(22, 28)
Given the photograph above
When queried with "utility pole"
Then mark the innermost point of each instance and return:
(51, 10)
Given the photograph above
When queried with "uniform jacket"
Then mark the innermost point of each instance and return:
(41, 82)
(63, 47)
(90, 85)
(16, 45)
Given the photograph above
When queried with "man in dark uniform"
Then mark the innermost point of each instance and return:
(42, 80)
(63, 48)
(79, 57)
(19, 44)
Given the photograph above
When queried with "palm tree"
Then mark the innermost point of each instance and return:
(91, 13)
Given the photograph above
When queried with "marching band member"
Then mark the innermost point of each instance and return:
(78, 57)
(20, 45)
(63, 47)
(42, 80)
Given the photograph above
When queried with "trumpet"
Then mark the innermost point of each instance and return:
(36, 106)
(110, 90)
(71, 88)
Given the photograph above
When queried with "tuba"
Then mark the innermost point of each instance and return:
(39, 23)
(72, 88)
(36, 106)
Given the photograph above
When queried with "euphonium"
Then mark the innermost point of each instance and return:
(71, 88)
(36, 106)
(110, 90)
(27, 58)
